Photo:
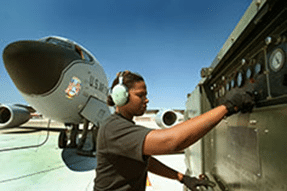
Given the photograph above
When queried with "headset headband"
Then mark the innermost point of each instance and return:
(121, 78)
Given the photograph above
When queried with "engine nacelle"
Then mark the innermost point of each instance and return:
(167, 118)
(13, 116)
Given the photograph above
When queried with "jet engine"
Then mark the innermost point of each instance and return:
(167, 118)
(13, 116)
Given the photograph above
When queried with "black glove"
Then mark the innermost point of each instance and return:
(240, 99)
(192, 182)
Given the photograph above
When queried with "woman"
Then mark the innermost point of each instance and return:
(124, 149)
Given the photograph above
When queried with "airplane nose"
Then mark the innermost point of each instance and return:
(36, 67)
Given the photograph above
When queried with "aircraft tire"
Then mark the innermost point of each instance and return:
(62, 142)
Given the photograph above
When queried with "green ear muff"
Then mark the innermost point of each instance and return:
(120, 93)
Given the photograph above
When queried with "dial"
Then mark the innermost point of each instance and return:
(232, 83)
(258, 68)
(219, 93)
(228, 86)
(277, 59)
(248, 73)
(240, 79)
(216, 95)
(222, 91)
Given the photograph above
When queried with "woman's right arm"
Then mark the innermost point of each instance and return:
(181, 136)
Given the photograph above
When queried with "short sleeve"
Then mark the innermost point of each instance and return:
(127, 140)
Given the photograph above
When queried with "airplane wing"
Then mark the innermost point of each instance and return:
(29, 108)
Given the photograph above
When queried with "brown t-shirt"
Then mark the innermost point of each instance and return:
(121, 164)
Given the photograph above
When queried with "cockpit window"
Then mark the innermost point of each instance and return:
(84, 55)
(60, 43)
(87, 56)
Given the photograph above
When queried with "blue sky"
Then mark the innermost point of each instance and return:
(166, 41)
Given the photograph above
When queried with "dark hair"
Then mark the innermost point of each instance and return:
(129, 79)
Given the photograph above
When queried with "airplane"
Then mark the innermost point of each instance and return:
(63, 81)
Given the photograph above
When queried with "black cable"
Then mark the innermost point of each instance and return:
(27, 147)
(39, 172)
(31, 146)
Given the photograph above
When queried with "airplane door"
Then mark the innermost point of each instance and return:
(95, 110)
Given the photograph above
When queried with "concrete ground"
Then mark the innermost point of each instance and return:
(39, 167)
(30, 162)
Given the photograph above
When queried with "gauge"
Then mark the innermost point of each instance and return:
(277, 59)
(222, 91)
(240, 79)
(258, 68)
(216, 95)
(248, 73)
(227, 86)
(232, 83)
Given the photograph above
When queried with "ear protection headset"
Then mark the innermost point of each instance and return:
(120, 92)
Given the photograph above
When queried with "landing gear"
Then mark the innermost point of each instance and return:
(63, 139)
(73, 136)
(84, 134)
(69, 136)
(86, 144)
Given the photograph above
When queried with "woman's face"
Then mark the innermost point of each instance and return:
(137, 103)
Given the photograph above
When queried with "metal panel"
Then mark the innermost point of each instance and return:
(95, 111)
(237, 159)
(250, 150)
(271, 123)
(193, 154)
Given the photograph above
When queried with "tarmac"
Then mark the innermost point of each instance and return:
(31, 160)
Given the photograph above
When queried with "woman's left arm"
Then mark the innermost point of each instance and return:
(160, 169)
(192, 183)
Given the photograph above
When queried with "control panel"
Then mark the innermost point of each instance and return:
(260, 59)
(246, 151)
